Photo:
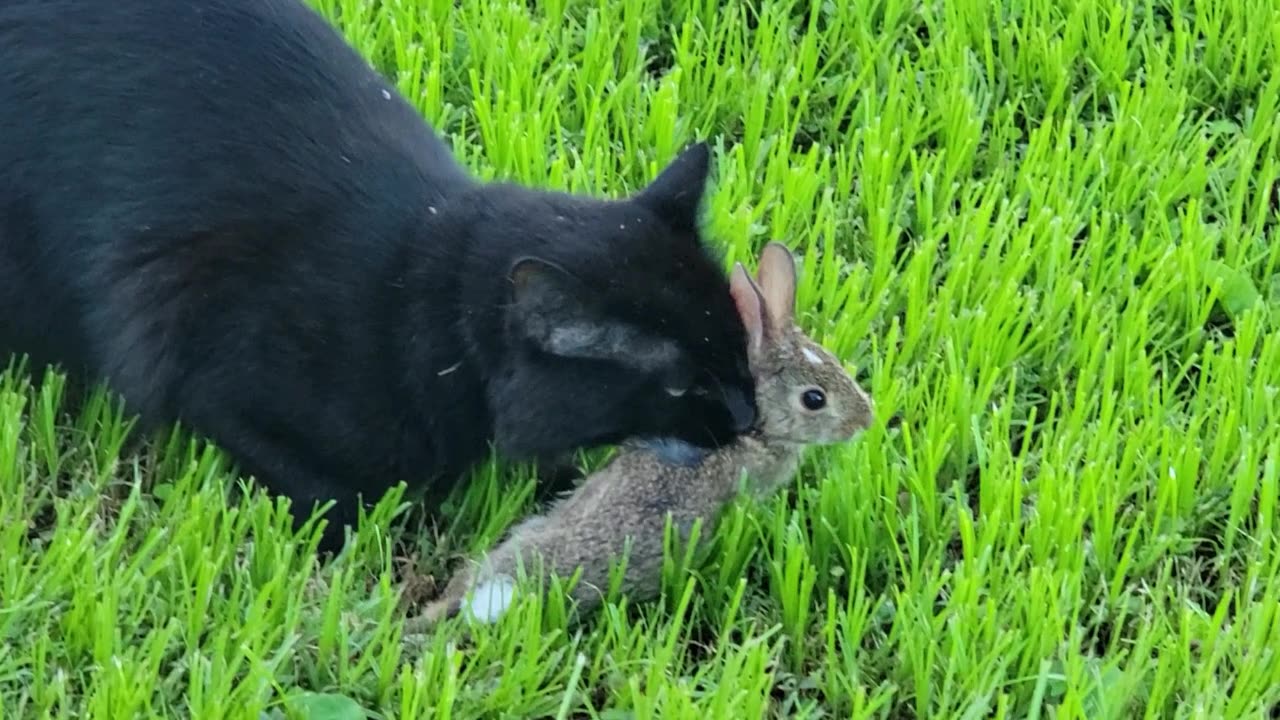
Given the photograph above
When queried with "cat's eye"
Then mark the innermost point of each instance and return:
(678, 391)
(813, 399)
(679, 381)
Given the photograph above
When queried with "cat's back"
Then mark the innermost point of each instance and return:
(240, 143)
(148, 111)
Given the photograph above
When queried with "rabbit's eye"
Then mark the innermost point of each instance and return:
(813, 399)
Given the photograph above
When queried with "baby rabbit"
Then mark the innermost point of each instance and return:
(804, 396)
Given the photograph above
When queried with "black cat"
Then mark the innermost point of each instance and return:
(219, 208)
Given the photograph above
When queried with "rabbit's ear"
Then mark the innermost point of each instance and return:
(750, 306)
(777, 275)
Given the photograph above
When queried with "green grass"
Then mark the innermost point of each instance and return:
(1044, 229)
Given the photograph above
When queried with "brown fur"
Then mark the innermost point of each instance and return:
(630, 498)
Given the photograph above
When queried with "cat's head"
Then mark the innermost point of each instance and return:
(618, 320)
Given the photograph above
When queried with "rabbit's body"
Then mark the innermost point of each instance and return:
(627, 500)
(623, 507)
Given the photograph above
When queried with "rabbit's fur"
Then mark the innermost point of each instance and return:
(630, 498)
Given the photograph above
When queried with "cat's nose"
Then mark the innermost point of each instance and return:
(740, 410)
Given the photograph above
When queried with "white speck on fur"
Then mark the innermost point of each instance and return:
(432, 209)
(813, 357)
(490, 599)
(386, 94)
(449, 369)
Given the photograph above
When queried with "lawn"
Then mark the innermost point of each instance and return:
(1043, 231)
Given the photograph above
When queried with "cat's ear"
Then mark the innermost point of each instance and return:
(676, 194)
(559, 316)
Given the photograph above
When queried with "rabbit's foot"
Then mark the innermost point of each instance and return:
(434, 612)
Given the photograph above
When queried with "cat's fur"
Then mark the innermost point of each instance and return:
(219, 208)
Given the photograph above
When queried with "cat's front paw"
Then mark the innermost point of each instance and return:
(557, 477)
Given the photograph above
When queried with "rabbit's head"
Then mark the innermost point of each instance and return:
(803, 392)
